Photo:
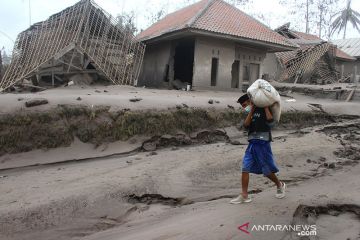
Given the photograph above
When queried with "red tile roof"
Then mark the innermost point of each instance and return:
(215, 16)
(344, 56)
(173, 21)
(307, 36)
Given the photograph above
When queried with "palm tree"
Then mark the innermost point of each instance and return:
(345, 16)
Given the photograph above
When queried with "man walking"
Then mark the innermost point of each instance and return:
(258, 157)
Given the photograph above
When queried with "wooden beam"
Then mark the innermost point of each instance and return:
(65, 50)
(350, 96)
(70, 65)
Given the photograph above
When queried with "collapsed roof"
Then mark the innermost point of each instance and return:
(312, 62)
(85, 31)
(308, 62)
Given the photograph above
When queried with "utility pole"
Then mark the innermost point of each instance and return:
(321, 19)
(307, 16)
(29, 12)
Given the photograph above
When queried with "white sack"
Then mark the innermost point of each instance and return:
(263, 94)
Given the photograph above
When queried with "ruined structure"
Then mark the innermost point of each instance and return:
(80, 43)
(348, 63)
(313, 62)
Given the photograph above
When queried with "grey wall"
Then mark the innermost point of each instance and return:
(205, 50)
(158, 56)
(227, 52)
(347, 68)
(271, 66)
(154, 65)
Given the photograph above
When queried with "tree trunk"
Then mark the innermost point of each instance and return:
(307, 16)
(345, 31)
(321, 19)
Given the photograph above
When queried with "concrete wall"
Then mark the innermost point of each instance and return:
(205, 50)
(227, 52)
(154, 65)
(158, 56)
(271, 66)
(346, 68)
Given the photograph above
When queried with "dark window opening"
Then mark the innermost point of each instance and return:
(214, 71)
(235, 71)
(184, 60)
(166, 76)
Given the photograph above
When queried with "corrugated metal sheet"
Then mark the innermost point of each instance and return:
(350, 46)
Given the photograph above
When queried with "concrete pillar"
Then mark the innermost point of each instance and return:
(355, 75)
(171, 65)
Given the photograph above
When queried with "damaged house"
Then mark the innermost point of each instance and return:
(210, 44)
(82, 43)
(349, 66)
(314, 62)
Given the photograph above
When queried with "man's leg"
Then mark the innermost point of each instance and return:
(243, 197)
(281, 186)
(274, 178)
(245, 184)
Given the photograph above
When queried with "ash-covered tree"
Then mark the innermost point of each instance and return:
(127, 22)
(312, 16)
(325, 9)
(153, 17)
(343, 17)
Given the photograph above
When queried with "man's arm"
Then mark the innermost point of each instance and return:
(248, 119)
(269, 116)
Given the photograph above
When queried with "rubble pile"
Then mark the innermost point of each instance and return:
(80, 40)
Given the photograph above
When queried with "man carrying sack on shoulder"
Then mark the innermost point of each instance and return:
(258, 158)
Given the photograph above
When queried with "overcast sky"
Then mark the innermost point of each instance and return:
(14, 14)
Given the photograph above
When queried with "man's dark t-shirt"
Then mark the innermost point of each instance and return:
(260, 127)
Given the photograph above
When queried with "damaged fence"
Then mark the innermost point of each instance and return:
(70, 41)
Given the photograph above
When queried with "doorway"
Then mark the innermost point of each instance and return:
(214, 71)
(235, 71)
(184, 60)
(254, 72)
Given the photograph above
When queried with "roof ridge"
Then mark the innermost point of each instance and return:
(261, 23)
(258, 21)
(200, 13)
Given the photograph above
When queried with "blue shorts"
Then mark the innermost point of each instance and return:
(258, 158)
